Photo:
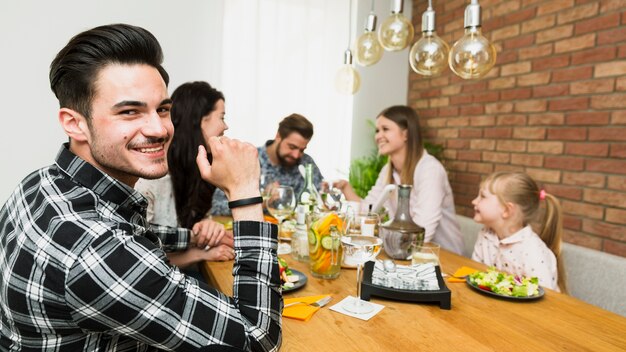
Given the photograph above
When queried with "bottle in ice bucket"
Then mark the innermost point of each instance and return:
(324, 235)
(401, 234)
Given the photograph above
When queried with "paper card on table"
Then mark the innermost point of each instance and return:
(301, 311)
(462, 271)
(367, 316)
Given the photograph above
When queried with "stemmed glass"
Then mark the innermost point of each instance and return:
(281, 203)
(265, 186)
(361, 249)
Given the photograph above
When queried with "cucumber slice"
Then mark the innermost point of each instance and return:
(312, 237)
(330, 243)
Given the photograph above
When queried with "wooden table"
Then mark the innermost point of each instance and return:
(476, 322)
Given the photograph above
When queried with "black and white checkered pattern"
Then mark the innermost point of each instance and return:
(82, 271)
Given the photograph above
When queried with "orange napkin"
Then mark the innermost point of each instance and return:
(301, 311)
(464, 270)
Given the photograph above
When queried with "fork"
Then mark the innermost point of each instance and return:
(319, 303)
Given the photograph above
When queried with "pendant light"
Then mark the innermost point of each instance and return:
(429, 55)
(368, 49)
(396, 31)
(347, 79)
(473, 55)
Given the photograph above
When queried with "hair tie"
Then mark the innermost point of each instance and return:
(542, 194)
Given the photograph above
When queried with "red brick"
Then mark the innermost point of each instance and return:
(529, 133)
(604, 229)
(441, 81)
(568, 134)
(457, 144)
(474, 87)
(544, 175)
(582, 209)
(618, 150)
(610, 5)
(504, 58)
(552, 90)
(448, 133)
(620, 84)
(530, 106)
(533, 79)
(501, 83)
(511, 146)
(554, 6)
(597, 24)
(471, 179)
(588, 149)
(483, 144)
(602, 54)
(498, 108)
(504, 33)
(555, 33)
(618, 117)
(451, 90)
(610, 101)
(614, 247)
(535, 51)
(457, 122)
(472, 110)
(592, 86)
(576, 43)
(572, 74)
(545, 147)
(515, 94)
(485, 97)
(609, 198)
(519, 42)
(527, 159)
(586, 179)
(617, 216)
(617, 182)
(571, 222)
(581, 103)
(483, 168)
(518, 120)
(470, 133)
(470, 155)
(538, 23)
(437, 102)
(546, 119)
(607, 165)
(550, 62)
(615, 68)
(577, 13)
(520, 15)
(508, 168)
(498, 132)
(587, 118)
(484, 120)
(592, 242)
(564, 163)
(611, 133)
(495, 157)
(612, 36)
(456, 165)
(426, 113)
(460, 99)
(448, 111)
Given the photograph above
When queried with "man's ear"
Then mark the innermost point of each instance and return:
(74, 124)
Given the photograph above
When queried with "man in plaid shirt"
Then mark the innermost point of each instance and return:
(81, 269)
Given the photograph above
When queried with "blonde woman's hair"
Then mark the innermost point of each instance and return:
(407, 119)
(520, 189)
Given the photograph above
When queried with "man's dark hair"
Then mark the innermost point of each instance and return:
(295, 123)
(74, 70)
(192, 195)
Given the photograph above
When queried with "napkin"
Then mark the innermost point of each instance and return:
(301, 311)
(462, 271)
(367, 316)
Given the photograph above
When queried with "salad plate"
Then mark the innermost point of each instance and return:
(302, 279)
(503, 285)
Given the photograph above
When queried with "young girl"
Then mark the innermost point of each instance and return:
(506, 204)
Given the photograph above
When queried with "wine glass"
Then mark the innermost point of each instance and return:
(361, 249)
(281, 203)
(265, 186)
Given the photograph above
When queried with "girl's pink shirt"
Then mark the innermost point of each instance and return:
(523, 253)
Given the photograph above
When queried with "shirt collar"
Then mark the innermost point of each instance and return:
(105, 186)
(519, 236)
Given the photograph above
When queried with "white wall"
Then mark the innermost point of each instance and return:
(32, 32)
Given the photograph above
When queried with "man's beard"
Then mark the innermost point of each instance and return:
(282, 160)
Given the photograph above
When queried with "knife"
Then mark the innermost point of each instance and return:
(319, 303)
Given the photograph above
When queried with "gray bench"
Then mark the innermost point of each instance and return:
(469, 230)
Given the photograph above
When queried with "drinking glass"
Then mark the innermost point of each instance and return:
(265, 186)
(361, 249)
(425, 253)
(281, 203)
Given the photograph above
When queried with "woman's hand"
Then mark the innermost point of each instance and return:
(219, 254)
(208, 233)
(347, 190)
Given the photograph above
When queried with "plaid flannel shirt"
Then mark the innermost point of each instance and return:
(82, 271)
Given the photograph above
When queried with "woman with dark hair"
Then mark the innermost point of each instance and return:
(398, 136)
(182, 198)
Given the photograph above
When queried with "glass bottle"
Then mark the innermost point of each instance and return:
(402, 233)
(300, 242)
(309, 195)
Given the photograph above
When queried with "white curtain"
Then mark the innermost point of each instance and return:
(280, 57)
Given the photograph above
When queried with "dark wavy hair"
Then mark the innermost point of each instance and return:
(190, 102)
(74, 70)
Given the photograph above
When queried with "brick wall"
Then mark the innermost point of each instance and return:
(554, 106)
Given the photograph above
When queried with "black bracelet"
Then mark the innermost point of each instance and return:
(243, 202)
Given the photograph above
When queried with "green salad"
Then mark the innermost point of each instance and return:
(505, 284)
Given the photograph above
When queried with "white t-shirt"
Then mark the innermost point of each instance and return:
(431, 202)
(161, 205)
(523, 253)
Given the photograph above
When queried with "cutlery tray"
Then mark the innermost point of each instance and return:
(441, 296)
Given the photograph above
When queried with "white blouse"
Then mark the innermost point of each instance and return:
(431, 202)
(523, 253)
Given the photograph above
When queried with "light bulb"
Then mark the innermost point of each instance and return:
(396, 31)
(368, 49)
(347, 79)
(429, 55)
(473, 55)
